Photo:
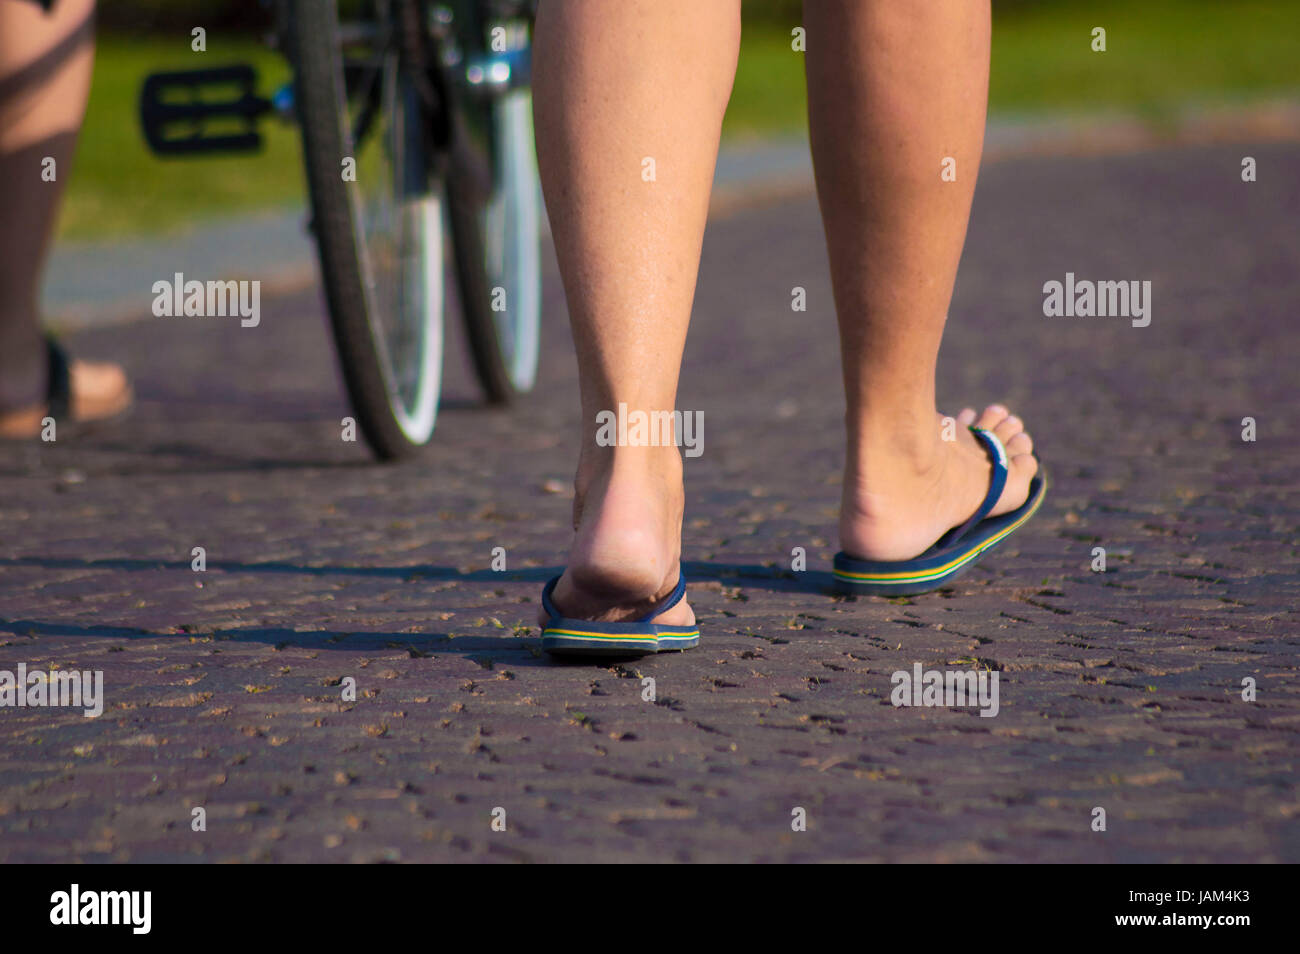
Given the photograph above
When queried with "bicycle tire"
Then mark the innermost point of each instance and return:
(473, 164)
(321, 104)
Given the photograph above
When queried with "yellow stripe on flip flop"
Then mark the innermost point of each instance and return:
(609, 636)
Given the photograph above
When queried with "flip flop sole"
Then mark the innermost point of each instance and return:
(585, 638)
(933, 570)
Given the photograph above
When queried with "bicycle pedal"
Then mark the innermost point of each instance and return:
(196, 111)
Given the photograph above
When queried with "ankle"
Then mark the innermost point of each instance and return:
(902, 444)
(627, 466)
(23, 360)
(644, 471)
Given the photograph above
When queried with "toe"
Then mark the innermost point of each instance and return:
(993, 415)
(1019, 444)
(1021, 471)
(1009, 427)
(1024, 467)
(967, 417)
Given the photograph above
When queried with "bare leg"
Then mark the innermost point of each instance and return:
(619, 82)
(895, 87)
(45, 67)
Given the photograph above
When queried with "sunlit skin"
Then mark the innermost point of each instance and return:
(894, 87)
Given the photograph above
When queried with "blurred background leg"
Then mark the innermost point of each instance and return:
(45, 66)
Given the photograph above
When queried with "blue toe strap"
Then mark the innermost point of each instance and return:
(547, 605)
(668, 602)
(997, 481)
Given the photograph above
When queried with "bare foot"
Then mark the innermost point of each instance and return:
(626, 550)
(895, 505)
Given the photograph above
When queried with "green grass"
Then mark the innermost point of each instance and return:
(1161, 56)
(768, 95)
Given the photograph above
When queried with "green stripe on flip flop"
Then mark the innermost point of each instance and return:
(614, 637)
(922, 576)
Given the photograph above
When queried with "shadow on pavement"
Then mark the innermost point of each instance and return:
(810, 581)
(479, 648)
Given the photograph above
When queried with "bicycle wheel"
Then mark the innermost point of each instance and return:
(376, 212)
(497, 230)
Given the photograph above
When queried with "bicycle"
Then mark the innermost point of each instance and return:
(416, 124)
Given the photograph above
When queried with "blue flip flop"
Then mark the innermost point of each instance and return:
(957, 550)
(563, 635)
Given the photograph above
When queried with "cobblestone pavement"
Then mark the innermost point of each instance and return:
(1119, 690)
